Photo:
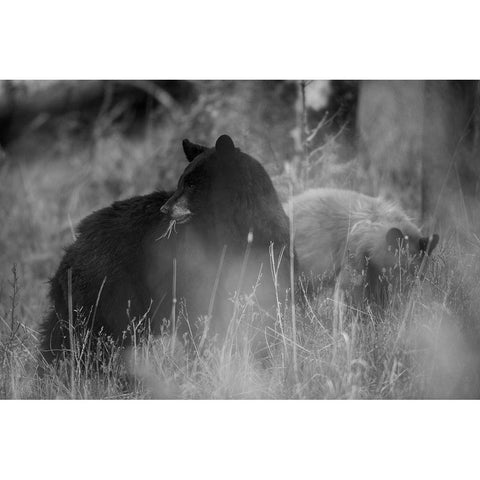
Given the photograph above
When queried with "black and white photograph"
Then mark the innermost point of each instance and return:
(239, 240)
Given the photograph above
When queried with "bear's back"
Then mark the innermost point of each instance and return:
(331, 223)
(106, 269)
(322, 219)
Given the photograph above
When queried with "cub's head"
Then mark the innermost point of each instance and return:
(399, 254)
(409, 243)
(403, 250)
(202, 175)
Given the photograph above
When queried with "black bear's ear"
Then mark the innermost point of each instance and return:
(224, 145)
(427, 244)
(394, 237)
(192, 150)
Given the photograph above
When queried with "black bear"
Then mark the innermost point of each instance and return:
(204, 244)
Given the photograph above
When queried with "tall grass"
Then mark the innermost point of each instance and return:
(418, 347)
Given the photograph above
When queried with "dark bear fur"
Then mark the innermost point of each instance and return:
(222, 195)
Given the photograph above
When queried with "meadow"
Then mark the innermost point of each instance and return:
(426, 344)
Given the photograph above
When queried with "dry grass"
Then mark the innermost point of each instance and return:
(419, 348)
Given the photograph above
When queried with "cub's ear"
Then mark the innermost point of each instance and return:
(394, 236)
(192, 150)
(224, 145)
(428, 244)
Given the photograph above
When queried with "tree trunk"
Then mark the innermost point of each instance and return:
(419, 141)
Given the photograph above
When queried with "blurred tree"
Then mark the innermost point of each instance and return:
(450, 164)
(476, 137)
(390, 122)
(417, 140)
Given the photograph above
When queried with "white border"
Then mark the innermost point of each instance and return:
(215, 39)
(239, 439)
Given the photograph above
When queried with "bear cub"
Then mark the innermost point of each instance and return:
(360, 241)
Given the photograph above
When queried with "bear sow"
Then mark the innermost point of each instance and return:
(208, 242)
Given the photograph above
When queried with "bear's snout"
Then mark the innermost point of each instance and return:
(180, 213)
(177, 208)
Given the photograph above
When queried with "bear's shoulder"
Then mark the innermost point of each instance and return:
(125, 214)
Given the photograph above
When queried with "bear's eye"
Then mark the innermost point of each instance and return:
(189, 184)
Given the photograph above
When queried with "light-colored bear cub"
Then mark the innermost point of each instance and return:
(358, 239)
